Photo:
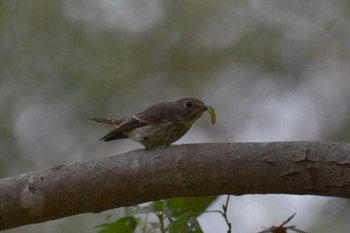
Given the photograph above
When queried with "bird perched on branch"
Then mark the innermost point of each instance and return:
(158, 125)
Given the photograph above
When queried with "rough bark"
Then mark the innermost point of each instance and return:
(318, 168)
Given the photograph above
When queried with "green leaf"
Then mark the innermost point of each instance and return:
(194, 226)
(158, 205)
(189, 205)
(122, 225)
(185, 224)
(161, 206)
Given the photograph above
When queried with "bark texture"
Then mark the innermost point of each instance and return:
(317, 168)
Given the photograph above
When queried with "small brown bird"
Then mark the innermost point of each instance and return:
(158, 125)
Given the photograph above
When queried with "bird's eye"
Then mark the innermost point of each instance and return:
(188, 104)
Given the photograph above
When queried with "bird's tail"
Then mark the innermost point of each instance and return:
(115, 134)
(108, 121)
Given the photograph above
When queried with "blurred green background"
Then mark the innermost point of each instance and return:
(273, 70)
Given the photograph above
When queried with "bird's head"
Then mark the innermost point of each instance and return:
(191, 109)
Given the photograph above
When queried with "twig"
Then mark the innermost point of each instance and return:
(282, 227)
(224, 214)
(161, 221)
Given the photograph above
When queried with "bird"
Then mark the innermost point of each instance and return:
(158, 125)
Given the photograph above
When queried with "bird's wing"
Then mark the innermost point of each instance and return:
(108, 121)
(150, 115)
(153, 114)
(128, 124)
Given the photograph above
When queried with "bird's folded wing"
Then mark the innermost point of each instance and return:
(108, 121)
(150, 115)
(127, 125)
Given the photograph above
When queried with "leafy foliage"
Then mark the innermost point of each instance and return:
(178, 215)
(185, 223)
(122, 225)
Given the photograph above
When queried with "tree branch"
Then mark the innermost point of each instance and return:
(319, 168)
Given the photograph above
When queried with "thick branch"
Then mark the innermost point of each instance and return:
(320, 168)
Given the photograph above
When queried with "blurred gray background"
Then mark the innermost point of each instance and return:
(273, 70)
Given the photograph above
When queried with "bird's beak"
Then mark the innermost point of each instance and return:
(211, 111)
